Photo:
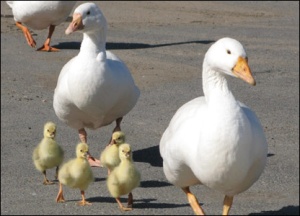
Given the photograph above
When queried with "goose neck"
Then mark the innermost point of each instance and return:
(93, 43)
(215, 86)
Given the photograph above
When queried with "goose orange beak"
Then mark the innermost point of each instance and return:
(76, 24)
(242, 71)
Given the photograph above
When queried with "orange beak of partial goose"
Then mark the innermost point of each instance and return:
(76, 24)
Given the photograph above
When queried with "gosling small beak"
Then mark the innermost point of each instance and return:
(75, 25)
(242, 71)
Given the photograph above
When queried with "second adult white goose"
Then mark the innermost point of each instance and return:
(95, 87)
(40, 15)
(216, 140)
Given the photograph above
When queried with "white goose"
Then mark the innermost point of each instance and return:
(216, 140)
(40, 15)
(95, 87)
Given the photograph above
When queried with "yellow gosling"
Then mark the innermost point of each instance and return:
(48, 154)
(110, 155)
(124, 178)
(76, 173)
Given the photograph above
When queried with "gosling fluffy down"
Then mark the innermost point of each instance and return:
(110, 155)
(48, 153)
(76, 173)
(124, 178)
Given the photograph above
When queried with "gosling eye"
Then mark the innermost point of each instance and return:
(228, 52)
(88, 13)
(81, 150)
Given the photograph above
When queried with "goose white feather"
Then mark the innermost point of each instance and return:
(216, 140)
(40, 15)
(95, 87)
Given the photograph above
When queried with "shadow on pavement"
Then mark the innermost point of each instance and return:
(287, 210)
(149, 155)
(121, 46)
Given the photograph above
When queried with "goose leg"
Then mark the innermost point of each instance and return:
(193, 201)
(60, 197)
(83, 137)
(46, 47)
(31, 42)
(130, 200)
(83, 202)
(46, 181)
(117, 128)
(118, 125)
(227, 204)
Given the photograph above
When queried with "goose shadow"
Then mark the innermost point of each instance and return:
(287, 210)
(99, 179)
(123, 46)
(149, 155)
(152, 183)
(142, 205)
(137, 203)
(123, 199)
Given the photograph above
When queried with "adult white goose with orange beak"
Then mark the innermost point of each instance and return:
(95, 87)
(216, 140)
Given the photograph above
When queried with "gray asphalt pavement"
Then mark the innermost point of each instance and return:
(163, 44)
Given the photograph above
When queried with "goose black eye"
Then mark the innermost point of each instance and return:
(228, 52)
(81, 150)
(88, 13)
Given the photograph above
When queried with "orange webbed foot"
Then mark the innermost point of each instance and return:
(31, 42)
(122, 208)
(60, 198)
(83, 203)
(127, 208)
(47, 182)
(47, 48)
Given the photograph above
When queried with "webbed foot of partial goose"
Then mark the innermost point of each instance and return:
(47, 48)
(31, 42)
